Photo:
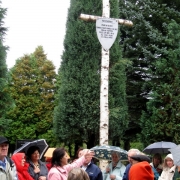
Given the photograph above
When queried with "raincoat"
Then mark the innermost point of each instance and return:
(22, 171)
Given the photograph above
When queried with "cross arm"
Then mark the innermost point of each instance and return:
(87, 17)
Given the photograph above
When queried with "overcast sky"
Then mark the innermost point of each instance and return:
(32, 23)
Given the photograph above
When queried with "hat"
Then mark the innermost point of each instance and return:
(3, 140)
(141, 158)
(169, 156)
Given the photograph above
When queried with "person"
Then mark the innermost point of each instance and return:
(48, 162)
(77, 174)
(78, 153)
(177, 173)
(60, 166)
(7, 166)
(156, 163)
(21, 166)
(91, 169)
(140, 168)
(114, 170)
(131, 152)
(37, 169)
(168, 168)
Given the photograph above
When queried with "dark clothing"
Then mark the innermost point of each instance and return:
(42, 167)
(94, 172)
(126, 173)
(176, 174)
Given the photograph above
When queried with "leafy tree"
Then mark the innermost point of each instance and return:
(161, 120)
(143, 45)
(76, 118)
(32, 88)
(5, 100)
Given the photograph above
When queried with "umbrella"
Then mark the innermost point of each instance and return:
(161, 147)
(176, 155)
(49, 153)
(104, 152)
(41, 143)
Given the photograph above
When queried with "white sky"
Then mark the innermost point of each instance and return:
(32, 23)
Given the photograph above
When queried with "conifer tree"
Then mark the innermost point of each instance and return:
(32, 87)
(76, 118)
(143, 45)
(5, 100)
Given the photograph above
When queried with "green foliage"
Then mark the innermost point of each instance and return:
(32, 88)
(144, 44)
(76, 118)
(5, 99)
(161, 121)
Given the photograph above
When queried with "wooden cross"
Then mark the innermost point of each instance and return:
(104, 108)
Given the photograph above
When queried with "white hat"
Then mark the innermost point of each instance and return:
(169, 156)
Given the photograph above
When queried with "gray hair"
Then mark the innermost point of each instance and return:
(135, 151)
(117, 153)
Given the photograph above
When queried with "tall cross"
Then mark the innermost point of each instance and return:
(104, 108)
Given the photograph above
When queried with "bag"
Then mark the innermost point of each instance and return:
(11, 162)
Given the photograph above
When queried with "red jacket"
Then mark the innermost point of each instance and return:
(141, 171)
(22, 171)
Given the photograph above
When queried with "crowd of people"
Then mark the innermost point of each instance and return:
(28, 166)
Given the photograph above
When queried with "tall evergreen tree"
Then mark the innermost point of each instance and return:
(5, 100)
(77, 115)
(143, 45)
(32, 88)
(162, 118)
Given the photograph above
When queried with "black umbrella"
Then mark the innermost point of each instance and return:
(41, 143)
(161, 147)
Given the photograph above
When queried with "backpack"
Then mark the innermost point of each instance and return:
(11, 162)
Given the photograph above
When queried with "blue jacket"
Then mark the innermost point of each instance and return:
(94, 172)
(126, 173)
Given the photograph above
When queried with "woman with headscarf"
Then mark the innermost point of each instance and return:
(114, 170)
(168, 168)
(21, 166)
(37, 169)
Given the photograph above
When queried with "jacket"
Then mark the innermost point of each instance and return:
(167, 173)
(126, 173)
(118, 171)
(141, 171)
(42, 167)
(176, 174)
(22, 171)
(61, 173)
(94, 172)
(9, 173)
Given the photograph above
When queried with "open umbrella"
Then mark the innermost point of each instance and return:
(176, 155)
(104, 152)
(161, 147)
(41, 143)
(49, 153)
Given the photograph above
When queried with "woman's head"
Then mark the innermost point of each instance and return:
(78, 174)
(33, 153)
(115, 156)
(168, 161)
(59, 157)
(157, 159)
(19, 160)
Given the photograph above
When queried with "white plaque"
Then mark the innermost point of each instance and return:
(106, 30)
